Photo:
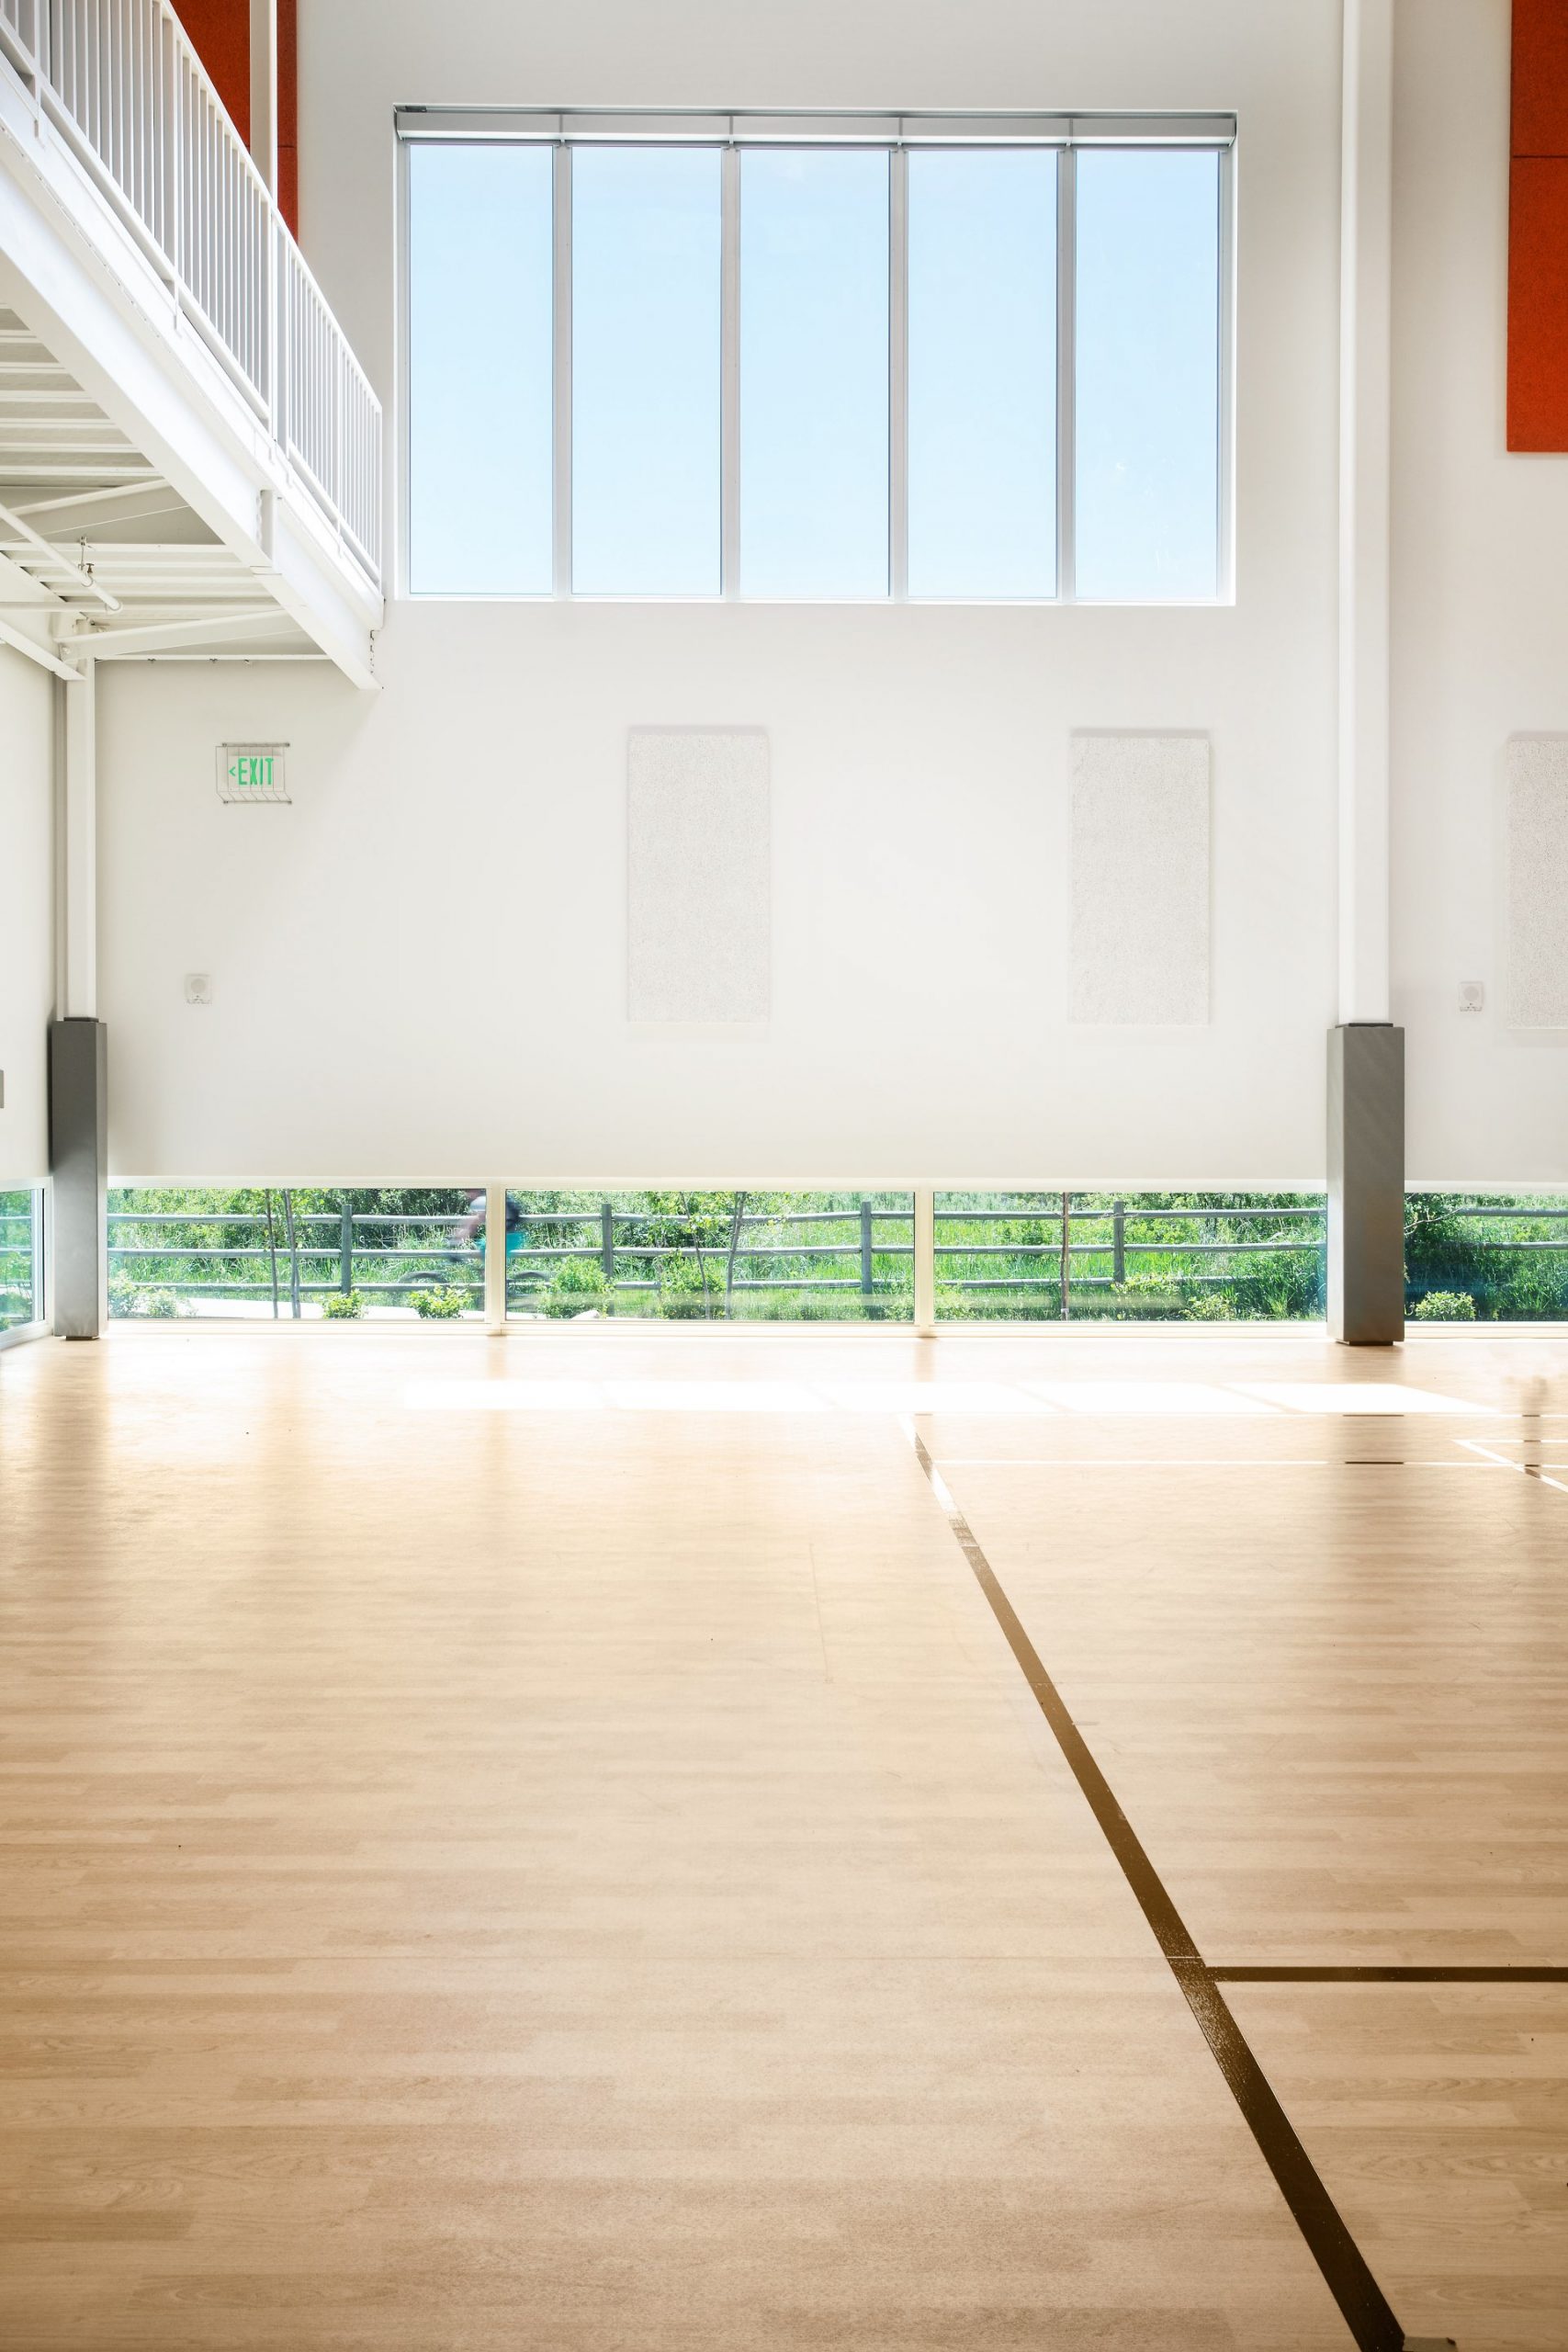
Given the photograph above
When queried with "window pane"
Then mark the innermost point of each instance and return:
(982, 374)
(712, 1257)
(480, 372)
(306, 1254)
(1148, 378)
(19, 1270)
(814, 374)
(1147, 1257)
(645, 371)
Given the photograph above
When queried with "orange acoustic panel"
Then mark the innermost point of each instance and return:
(220, 31)
(1538, 303)
(1537, 229)
(1540, 77)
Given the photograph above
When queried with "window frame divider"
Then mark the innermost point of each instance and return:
(560, 371)
(898, 375)
(729, 375)
(1067, 375)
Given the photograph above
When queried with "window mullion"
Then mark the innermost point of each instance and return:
(729, 372)
(898, 375)
(1066, 373)
(562, 370)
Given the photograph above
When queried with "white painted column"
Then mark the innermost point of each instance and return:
(79, 850)
(1365, 369)
(264, 91)
(925, 1258)
(495, 1260)
(1366, 1053)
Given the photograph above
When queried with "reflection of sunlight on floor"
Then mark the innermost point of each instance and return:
(1152, 1396)
(903, 1399)
(1355, 1397)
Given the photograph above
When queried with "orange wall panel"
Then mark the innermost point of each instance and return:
(1540, 77)
(220, 33)
(1538, 303)
(1537, 229)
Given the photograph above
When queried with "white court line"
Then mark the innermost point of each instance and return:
(1523, 1469)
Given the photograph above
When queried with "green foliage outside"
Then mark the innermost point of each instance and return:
(209, 1249)
(712, 1257)
(17, 1271)
(438, 1306)
(826, 1257)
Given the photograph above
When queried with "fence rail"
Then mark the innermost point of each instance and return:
(120, 83)
(1044, 1258)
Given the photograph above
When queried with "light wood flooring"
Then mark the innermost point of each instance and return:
(543, 1843)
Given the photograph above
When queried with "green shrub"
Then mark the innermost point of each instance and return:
(161, 1303)
(342, 1306)
(1444, 1306)
(577, 1287)
(682, 1291)
(1210, 1307)
(1276, 1286)
(1533, 1291)
(438, 1306)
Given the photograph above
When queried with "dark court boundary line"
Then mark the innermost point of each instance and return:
(1526, 1972)
(1346, 2273)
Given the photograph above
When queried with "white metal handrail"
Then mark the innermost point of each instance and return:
(120, 83)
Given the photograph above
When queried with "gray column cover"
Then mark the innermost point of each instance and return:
(1366, 1184)
(78, 1159)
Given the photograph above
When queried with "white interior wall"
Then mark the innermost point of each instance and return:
(27, 915)
(419, 969)
(1480, 611)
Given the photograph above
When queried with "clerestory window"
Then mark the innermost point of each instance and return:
(816, 359)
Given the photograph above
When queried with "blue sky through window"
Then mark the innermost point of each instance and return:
(812, 503)
(645, 371)
(982, 373)
(479, 370)
(813, 373)
(1148, 374)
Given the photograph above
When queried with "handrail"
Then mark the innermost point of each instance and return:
(119, 81)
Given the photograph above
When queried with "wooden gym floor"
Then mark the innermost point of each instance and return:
(609, 1842)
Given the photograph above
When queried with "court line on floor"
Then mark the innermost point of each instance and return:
(1370, 1972)
(1346, 2273)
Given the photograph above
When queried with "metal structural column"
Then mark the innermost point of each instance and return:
(1366, 1053)
(78, 1095)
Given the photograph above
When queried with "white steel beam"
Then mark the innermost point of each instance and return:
(1365, 367)
(121, 644)
(79, 850)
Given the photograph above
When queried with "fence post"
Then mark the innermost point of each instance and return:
(1119, 1243)
(495, 1261)
(346, 1249)
(607, 1240)
(925, 1260)
(867, 1270)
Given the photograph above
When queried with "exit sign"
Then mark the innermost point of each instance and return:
(252, 773)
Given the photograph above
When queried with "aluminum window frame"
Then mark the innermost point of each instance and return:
(895, 134)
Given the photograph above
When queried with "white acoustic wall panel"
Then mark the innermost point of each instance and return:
(1140, 880)
(698, 929)
(1537, 882)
